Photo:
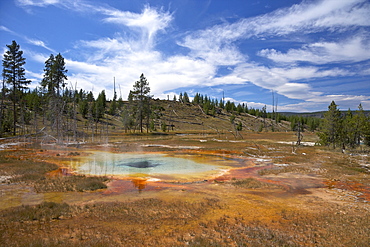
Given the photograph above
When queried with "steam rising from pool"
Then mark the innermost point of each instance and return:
(155, 165)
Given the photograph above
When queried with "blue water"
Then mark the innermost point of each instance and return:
(144, 164)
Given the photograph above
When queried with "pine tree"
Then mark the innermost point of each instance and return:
(180, 98)
(14, 74)
(196, 99)
(221, 104)
(366, 130)
(348, 130)
(141, 98)
(83, 107)
(2, 107)
(113, 105)
(264, 115)
(186, 98)
(239, 109)
(229, 106)
(99, 107)
(34, 103)
(361, 125)
(331, 126)
(239, 127)
(207, 107)
(54, 77)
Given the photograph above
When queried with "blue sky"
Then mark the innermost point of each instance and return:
(307, 52)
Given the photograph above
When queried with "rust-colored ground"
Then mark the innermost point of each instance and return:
(269, 194)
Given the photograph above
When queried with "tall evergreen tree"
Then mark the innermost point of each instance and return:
(186, 98)
(331, 126)
(53, 81)
(361, 123)
(180, 98)
(366, 130)
(264, 115)
(196, 98)
(14, 74)
(100, 105)
(141, 98)
(55, 75)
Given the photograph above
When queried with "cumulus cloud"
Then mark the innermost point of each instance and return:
(126, 56)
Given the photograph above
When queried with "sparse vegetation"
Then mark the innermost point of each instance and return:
(70, 183)
(23, 170)
(262, 210)
(252, 183)
(271, 193)
(285, 169)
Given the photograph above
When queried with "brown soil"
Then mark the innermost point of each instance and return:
(269, 196)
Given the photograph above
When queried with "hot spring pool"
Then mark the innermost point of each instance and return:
(148, 165)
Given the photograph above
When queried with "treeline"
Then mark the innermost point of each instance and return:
(59, 110)
(65, 113)
(53, 104)
(212, 107)
(344, 130)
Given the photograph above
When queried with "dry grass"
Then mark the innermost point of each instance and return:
(21, 169)
(295, 228)
(71, 183)
(153, 222)
(285, 169)
(252, 183)
(145, 222)
(239, 212)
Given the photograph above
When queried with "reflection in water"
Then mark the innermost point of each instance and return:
(60, 172)
(140, 184)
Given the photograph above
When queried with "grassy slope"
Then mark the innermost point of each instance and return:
(190, 117)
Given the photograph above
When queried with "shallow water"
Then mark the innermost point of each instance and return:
(146, 165)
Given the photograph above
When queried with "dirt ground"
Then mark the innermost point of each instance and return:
(268, 192)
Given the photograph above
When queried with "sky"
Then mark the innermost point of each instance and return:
(305, 53)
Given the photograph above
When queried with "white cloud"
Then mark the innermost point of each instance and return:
(35, 42)
(39, 43)
(5, 29)
(217, 45)
(306, 17)
(37, 3)
(149, 22)
(125, 57)
(162, 74)
(310, 16)
(38, 57)
(356, 49)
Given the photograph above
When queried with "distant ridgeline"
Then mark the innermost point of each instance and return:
(319, 114)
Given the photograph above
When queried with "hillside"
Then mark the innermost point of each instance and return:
(176, 116)
(185, 117)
